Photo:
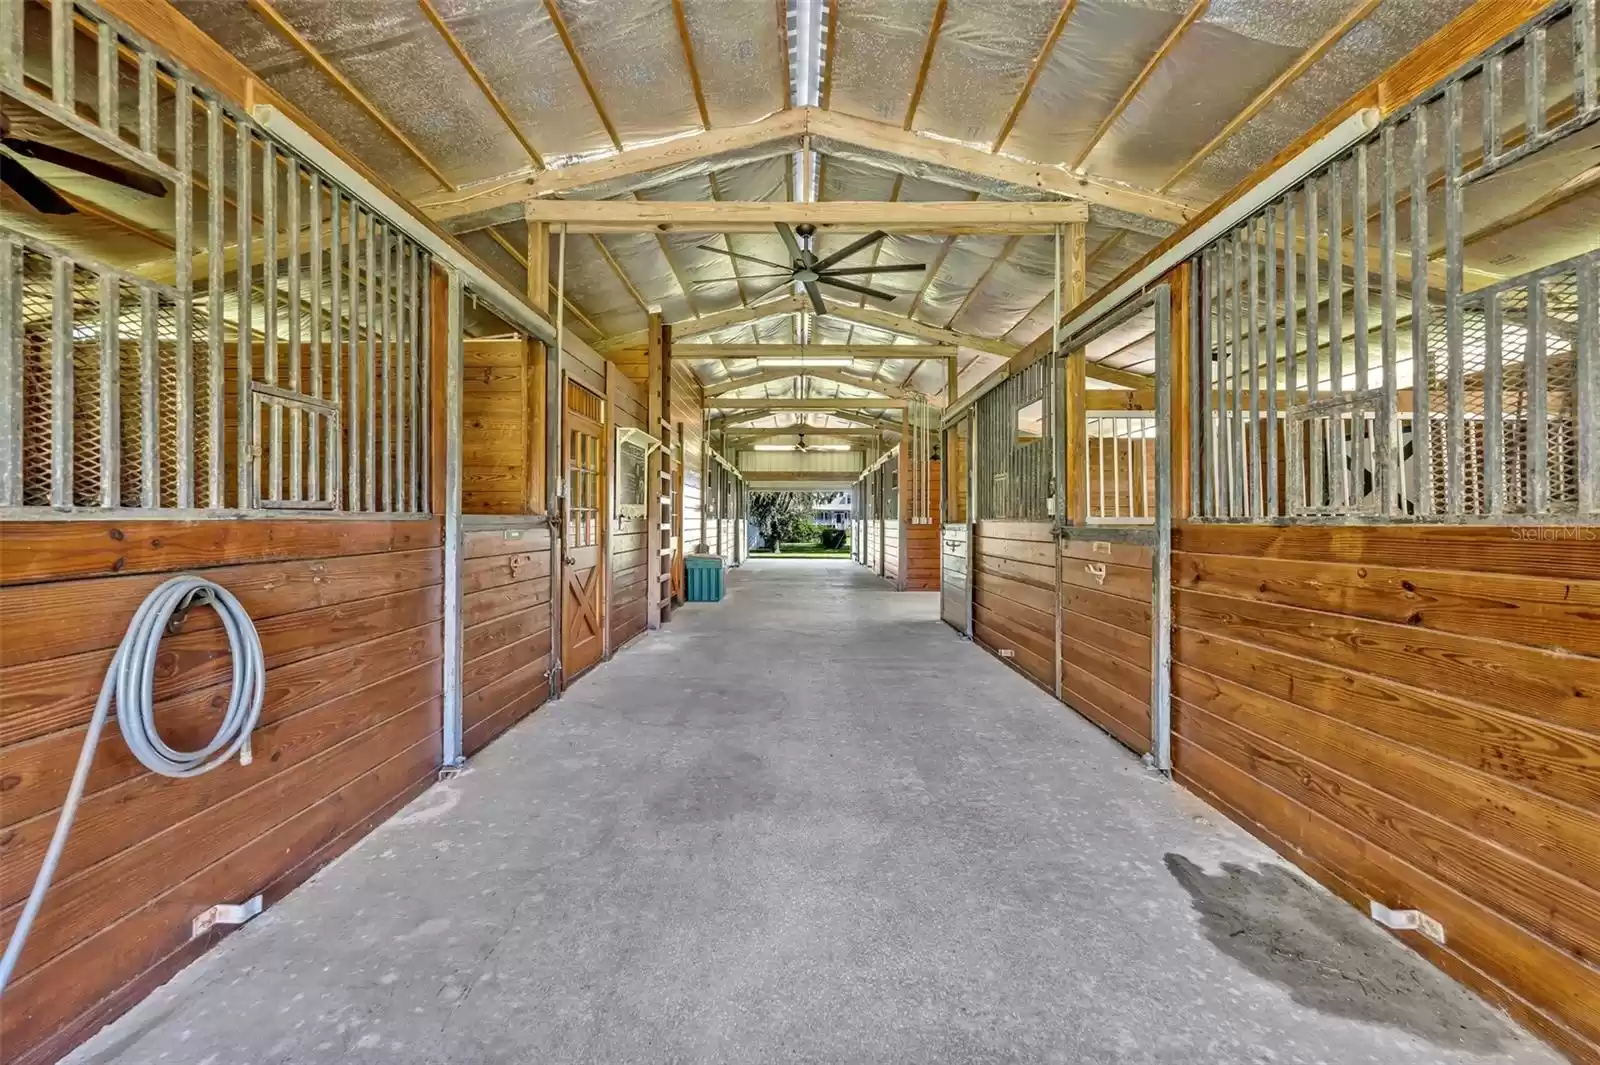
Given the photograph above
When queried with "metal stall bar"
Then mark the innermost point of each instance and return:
(150, 399)
(1455, 432)
(110, 494)
(1359, 430)
(1494, 423)
(1387, 417)
(1252, 455)
(1161, 568)
(269, 311)
(453, 664)
(216, 286)
(1317, 437)
(1421, 312)
(1338, 454)
(1237, 504)
(336, 332)
(244, 224)
(293, 331)
(183, 234)
(1536, 370)
(61, 384)
(1587, 367)
(1294, 442)
(11, 369)
(314, 443)
(1270, 383)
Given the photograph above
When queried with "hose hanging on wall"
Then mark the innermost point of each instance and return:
(131, 680)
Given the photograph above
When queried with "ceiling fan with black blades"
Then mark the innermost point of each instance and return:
(810, 271)
(38, 194)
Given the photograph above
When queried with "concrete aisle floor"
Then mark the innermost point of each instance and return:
(809, 824)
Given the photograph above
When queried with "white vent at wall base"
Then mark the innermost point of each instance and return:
(1408, 921)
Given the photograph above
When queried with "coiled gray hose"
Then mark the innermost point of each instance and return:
(131, 680)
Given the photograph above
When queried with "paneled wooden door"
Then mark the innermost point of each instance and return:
(583, 574)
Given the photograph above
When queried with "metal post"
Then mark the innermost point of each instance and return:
(183, 234)
(61, 383)
(454, 356)
(216, 284)
(1588, 386)
(555, 401)
(1389, 415)
(244, 333)
(11, 258)
(1421, 312)
(1536, 369)
(1494, 446)
(1294, 475)
(110, 392)
(1161, 570)
(1455, 435)
(336, 327)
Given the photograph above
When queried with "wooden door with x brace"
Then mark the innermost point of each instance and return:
(583, 570)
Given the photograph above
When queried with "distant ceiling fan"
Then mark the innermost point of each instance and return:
(38, 194)
(810, 271)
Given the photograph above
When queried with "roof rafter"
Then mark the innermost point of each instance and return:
(828, 216)
(781, 133)
(1296, 69)
(622, 276)
(682, 20)
(560, 24)
(480, 81)
(766, 377)
(956, 159)
(1190, 17)
(1039, 62)
(931, 43)
(274, 18)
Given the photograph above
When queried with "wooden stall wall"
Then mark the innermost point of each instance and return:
(891, 549)
(1014, 595)
(629, 573)
(499, 382)
(923, 542)
(505, 595)
(1413, 715)
(1105, 634)
(350, 619)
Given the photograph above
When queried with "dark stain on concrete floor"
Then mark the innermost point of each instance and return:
(1327, 956)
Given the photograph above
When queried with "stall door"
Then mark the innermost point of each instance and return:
(955, 540)
(583, 577)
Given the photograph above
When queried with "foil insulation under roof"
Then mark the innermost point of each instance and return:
(982, 55)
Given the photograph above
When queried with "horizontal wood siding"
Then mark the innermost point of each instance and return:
(923, 542)
(495, 397)
(1105, 635)
(891, 549)
(350, 620)
(505, 629)
(1413, 715)
(629, 567)
(1014, 590)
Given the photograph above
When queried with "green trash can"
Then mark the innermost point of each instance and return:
(704, 578)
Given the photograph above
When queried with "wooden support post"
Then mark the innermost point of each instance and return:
(657, 486)
(438, 349)
(1075, 285)
(539, 266)
(952, 383)
(904, 485)
(1182, 356)
(535, 416)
